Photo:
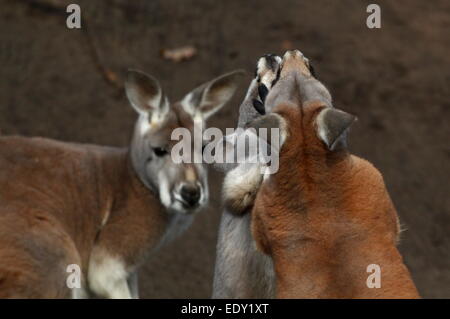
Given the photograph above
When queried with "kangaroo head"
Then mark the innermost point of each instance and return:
(304, 104)
(182, 187)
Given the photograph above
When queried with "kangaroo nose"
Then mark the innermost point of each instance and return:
(190, 194)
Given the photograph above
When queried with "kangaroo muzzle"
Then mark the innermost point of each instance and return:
(190, 195)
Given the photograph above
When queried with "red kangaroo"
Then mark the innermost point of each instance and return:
(104, 209)
(326, 215)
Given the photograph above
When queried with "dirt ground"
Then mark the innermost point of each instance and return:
(395, 79)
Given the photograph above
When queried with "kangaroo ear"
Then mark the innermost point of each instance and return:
(332, 127)
(269, 122)
(208, 98)
(145, 94)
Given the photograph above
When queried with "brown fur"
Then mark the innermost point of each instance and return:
(104, 209)
(325, 219)
(54, 199)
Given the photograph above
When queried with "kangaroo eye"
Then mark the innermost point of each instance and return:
(159, 151)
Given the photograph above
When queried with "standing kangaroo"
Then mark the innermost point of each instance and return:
(241, 271)
(325, 218)
(101, 208)
(315, 226)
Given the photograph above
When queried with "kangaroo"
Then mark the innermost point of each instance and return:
(241, 271)
(102, 209)
(245, 263)
(326, 215)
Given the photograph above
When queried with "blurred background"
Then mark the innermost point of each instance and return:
(66, 84)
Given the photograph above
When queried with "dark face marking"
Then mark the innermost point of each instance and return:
(259, 107)
(271, 62)
(263, 91)
(276, 78)
(311, 69)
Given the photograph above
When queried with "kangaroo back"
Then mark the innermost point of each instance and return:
(325, 217)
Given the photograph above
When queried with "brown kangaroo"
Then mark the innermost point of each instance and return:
(326, 215)
(103, 209)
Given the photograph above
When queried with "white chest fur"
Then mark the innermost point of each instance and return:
(108, 274)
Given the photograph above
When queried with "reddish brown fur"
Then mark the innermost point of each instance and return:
(54, 197)
(326, 219)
